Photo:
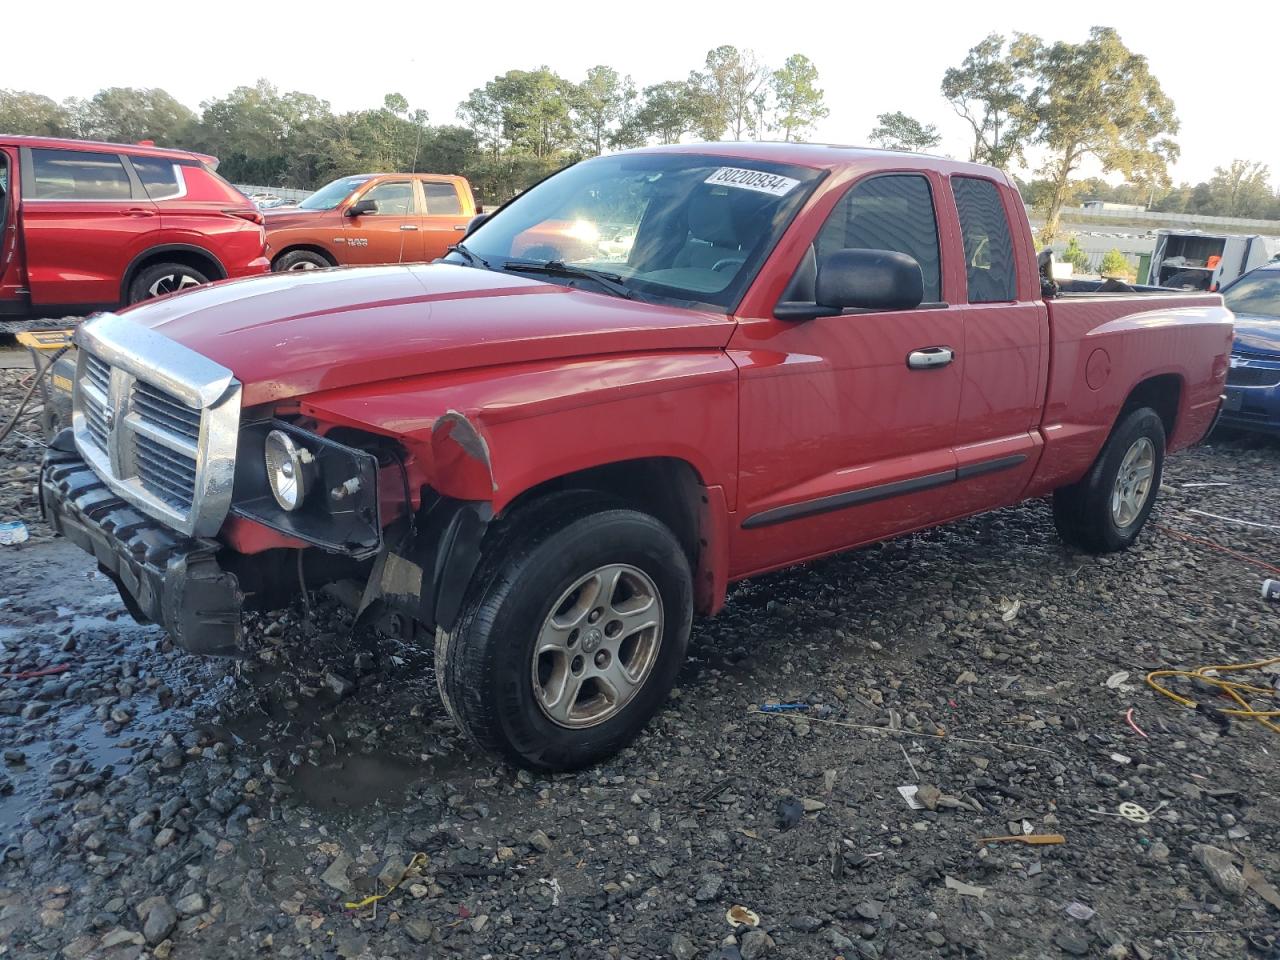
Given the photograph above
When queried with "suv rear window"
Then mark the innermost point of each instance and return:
(988, 247)
(161, 177)
(442, 199)
(77, 175)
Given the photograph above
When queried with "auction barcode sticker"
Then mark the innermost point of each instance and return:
(757, 180)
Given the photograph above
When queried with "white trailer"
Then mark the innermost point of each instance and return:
(1193, 260)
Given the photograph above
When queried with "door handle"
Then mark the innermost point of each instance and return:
(408, 226)
(930, 357)
(459, 226)
(138, 212)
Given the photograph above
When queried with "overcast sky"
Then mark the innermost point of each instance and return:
(1219, 64)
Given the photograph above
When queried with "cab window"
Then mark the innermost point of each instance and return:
(442, 199)
(394, 198)
(892, 212)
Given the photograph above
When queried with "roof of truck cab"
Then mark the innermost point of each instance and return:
(133, 149)
(827, 156)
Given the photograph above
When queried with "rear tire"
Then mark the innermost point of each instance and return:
(1107, 509)
(161, 279)
(555, 661)
(300, 260)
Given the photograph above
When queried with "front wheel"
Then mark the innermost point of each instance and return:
(1107, 510)
(571, 636)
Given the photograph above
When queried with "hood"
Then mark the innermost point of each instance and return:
(290, 334)
(1258, 334)
(279, 218)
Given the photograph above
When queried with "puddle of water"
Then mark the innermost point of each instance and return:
(356, 780)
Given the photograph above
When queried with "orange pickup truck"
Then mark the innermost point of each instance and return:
(371, 218)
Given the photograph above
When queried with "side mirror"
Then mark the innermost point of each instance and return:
(869, 280)
(361, 207)
(475, 223)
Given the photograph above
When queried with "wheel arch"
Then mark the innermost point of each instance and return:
(189, 255)
(1162, 393)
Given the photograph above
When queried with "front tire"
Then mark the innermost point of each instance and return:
(571, 635)
(296, 260)
(160, 279)
(1105, 511)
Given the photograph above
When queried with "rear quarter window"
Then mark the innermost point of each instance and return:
(162, 178)
(988, 245)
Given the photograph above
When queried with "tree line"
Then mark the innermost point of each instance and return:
(1066, 103)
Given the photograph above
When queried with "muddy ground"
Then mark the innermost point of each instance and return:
(156, 804)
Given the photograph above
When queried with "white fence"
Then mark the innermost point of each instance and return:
(1192, 220)
(284, 193)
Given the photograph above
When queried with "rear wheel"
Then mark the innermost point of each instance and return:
(571, 636)
(164, 278)
(1107, 510)
(300, 260)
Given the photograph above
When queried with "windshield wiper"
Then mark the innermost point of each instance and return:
(558, 268)
(473, 259)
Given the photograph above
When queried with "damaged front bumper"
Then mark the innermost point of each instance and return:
(163, 577)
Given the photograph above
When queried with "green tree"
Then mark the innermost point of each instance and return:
(897, 131)
(1241, 189)
(527, 111)
(1099, 99)
(735, 92)
(601, 105)
(130, 114)
(33, 114)
(1076, 256)
(1116, 264)
(988, 91)
(667, 111)
(797, 98)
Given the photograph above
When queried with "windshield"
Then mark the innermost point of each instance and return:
(1256, 294)
(332, 194)
(671, 227)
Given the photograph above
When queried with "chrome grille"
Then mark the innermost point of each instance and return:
(169, 475)
(166, 411)
(157, 422)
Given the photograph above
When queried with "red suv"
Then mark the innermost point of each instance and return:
(89, 226)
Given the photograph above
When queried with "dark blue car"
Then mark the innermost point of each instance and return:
(1253, 382)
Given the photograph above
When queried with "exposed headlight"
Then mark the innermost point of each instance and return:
(290, 469)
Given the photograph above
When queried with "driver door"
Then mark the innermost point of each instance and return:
(844, 440)
(391, 234)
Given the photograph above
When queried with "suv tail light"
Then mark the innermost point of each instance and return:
(253, 215)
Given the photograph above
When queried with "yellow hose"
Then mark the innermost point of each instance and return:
(1231, 688)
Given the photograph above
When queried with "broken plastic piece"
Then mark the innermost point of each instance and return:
(1080, 911)
(909, 794)
(964, 889)
(740, 916)
(1035, 839)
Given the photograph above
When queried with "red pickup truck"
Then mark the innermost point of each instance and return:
(87, 226)
(546, 462)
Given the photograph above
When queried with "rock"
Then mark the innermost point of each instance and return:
(539, 841)
(14, 757)
(805, 923)
(190, 905)
(965, 678)
(160, 923)
(838, 940)
(929, 795)
(163, 950)
(165, 837)
(336, 874)
(119, 936)
(812, 806)
(34, 710)
(1224, 874)
(419, 929)
(1073, 940)
(339, 684)
(708, 886)
(682, 947)
(756, 943)
(870, 909)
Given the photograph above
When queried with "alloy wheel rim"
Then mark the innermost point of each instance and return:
(598, 646)
(1133, 482)
(172, 282)
(303, 265)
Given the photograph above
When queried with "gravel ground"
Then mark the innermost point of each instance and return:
(156, 804)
